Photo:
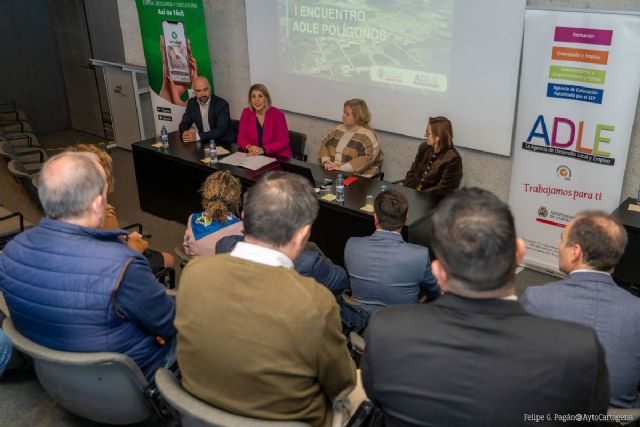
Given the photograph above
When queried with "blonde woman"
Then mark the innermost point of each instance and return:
(263, 128)
(134, 240)
(352, 146)
(221, 195)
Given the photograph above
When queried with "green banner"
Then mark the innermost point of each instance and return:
(174, 39)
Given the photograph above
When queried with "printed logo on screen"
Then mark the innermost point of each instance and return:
(174, 35)
(543, 212)
(564, 172)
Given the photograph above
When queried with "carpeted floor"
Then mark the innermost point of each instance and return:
(23, 402)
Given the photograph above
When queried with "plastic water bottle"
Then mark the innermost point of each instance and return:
(213, 152)
(383, 188)
(339, 188)
(164, 136)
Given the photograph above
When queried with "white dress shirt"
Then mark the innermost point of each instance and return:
(261, 255)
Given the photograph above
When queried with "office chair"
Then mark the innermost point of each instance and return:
(11, 224)
(195, 413)
(8, 111)
(27, 179)
(102, 387)
(298, 141)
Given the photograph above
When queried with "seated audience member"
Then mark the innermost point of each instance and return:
(109, 299)
(263, 128)
(437, 168)
(384, 269)
(310, 263)
(474, 357)
(209, 113)
(255, 337)
(591, 246)
(157, 260)
(221, 194)
(5, 351)
(352, 146)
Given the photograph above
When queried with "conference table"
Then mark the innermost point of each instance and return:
(169, 178)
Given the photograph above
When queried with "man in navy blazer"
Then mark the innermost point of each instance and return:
(591, 246)
(474, 357)
(384, 269)
(214, 108)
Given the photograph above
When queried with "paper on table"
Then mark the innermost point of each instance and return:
(249, 162)
(328, 197)
(634, 207)
(235, 159)
(367, 208)
(222, 151)
(157, 145)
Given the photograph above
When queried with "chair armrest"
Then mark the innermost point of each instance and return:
(13, 215)
(132, 226)
(42, 155)
(10, 103)
(19, 137)
(13, 123)
(7, 113)
(357, 342)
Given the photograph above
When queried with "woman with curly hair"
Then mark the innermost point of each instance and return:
(221, 194)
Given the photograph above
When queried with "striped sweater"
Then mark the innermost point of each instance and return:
(361, 155)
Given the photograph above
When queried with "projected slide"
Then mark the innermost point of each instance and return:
(395, 44)
(409, 59)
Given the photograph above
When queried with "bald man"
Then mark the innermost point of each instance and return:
(73, 287)
(209, 113)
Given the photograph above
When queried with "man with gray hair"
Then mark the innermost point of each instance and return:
(255, 337)
(70, 286)
(590, 247)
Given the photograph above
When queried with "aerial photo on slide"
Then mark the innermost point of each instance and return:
(388, 43)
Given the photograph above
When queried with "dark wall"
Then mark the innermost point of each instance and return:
(30, 65)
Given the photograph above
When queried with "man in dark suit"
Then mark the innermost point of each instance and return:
(591, 246)
(215, 109)
(474, 357)
(384, 269)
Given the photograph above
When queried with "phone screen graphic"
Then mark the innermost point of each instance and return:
(175, 44)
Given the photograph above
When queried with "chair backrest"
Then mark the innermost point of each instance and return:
(7, 150)
(11, 224)
(102, 387)
(298, 141)
(235, 125)
(196, 413)
(29, 154)
(26, 180)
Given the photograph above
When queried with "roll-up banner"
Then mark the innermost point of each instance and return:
(174, 39)
(578, 93)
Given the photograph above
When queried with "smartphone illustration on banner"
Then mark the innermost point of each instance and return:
(175, 44)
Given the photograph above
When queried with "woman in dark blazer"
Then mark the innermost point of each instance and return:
(437, 168)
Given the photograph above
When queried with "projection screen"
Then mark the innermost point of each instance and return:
(409, 59)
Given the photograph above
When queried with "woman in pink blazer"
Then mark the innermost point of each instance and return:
(263, 128)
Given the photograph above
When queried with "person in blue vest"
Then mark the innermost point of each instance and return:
(73, 287)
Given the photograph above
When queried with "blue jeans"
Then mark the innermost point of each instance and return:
(5, 351)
